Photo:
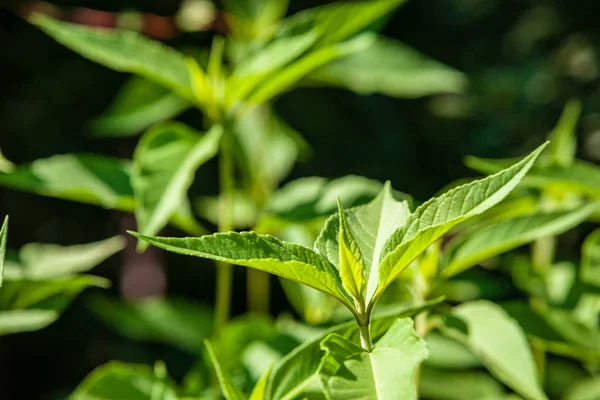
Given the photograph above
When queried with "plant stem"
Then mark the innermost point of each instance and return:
(224, 270)
(258, 291)
(365, 335)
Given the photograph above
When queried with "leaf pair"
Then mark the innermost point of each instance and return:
(382, 237)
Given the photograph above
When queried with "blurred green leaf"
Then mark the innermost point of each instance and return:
(340, 20)
(124, 51)
(580, 177)
(139, 104)
(260, 390)
(563, 139)
(5, 164)
(3, 238)
(449, 354)
(439, 384)
(500, 344)
(500, 237)
(475, 284)
(244, 209)
(177, 322)
(560, 375)
(164, 166)
(387, 372)
(590, 259)
(46, 261)
(254, 19)
(391, 68)
(15, 321)
(230, 391)
(120, 381)
(587, 389)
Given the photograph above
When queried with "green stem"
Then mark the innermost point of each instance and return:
(224, 270)
(365, 335)
(258, 287)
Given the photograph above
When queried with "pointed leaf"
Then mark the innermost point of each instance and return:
(3, 237)
(15, 321)
(124, 51)
(563, 139)
(372, 224)
(349, 372)
(590, 259)
(437, 216)
(263, 252)
(501, 346)
(352, 265)
(260, 390)
(139, 104)
(340, 20)
(117, 380)
(508, 234)
(165, 163)
(44, 261)
(230, 391)
(392, 68)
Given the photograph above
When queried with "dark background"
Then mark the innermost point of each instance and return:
(524, 60)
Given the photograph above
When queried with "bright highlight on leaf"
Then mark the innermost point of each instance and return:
(352, 265)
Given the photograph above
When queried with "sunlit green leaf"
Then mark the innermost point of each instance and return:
(117, 380)
(587, 389)
(296, 371)
(387, 372)
(447, 353)
(392, 68)
(352, 265)
(5, 164)
(438, 215)
(139, 104)
(125, 51)
(339, 20)
(563, 139)
(500, 344)
(165, 163)
(439, 384)
(499, 237)
(14, 321)
(252, 19)
(262, 252)
(44, 261)
(260, 390)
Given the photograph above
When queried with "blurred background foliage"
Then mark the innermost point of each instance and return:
(524, 60)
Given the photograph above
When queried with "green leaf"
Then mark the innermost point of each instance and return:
(340, 20)
(230, 391)
(437, 384)
(387, 372)
(500, 344)
(372, 225)
(563, 139)
(15, 321)
(5, 164)
(351, 263)
(139, 104)
(91, 179)
(579, 177)
(391, 68)
(561, 374)
(260, 390)
(45, 261)
(587, 389)
(296, 371)
(252, 19)
(590, 259)
(449, 354)
(124, 51)
(500, 237)
(165, 163)
(244, 210)
(3, 238)
(437, 216)
(176, 322)
(263, 252)
(256, 69)
(284, 79)
(117, 380)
